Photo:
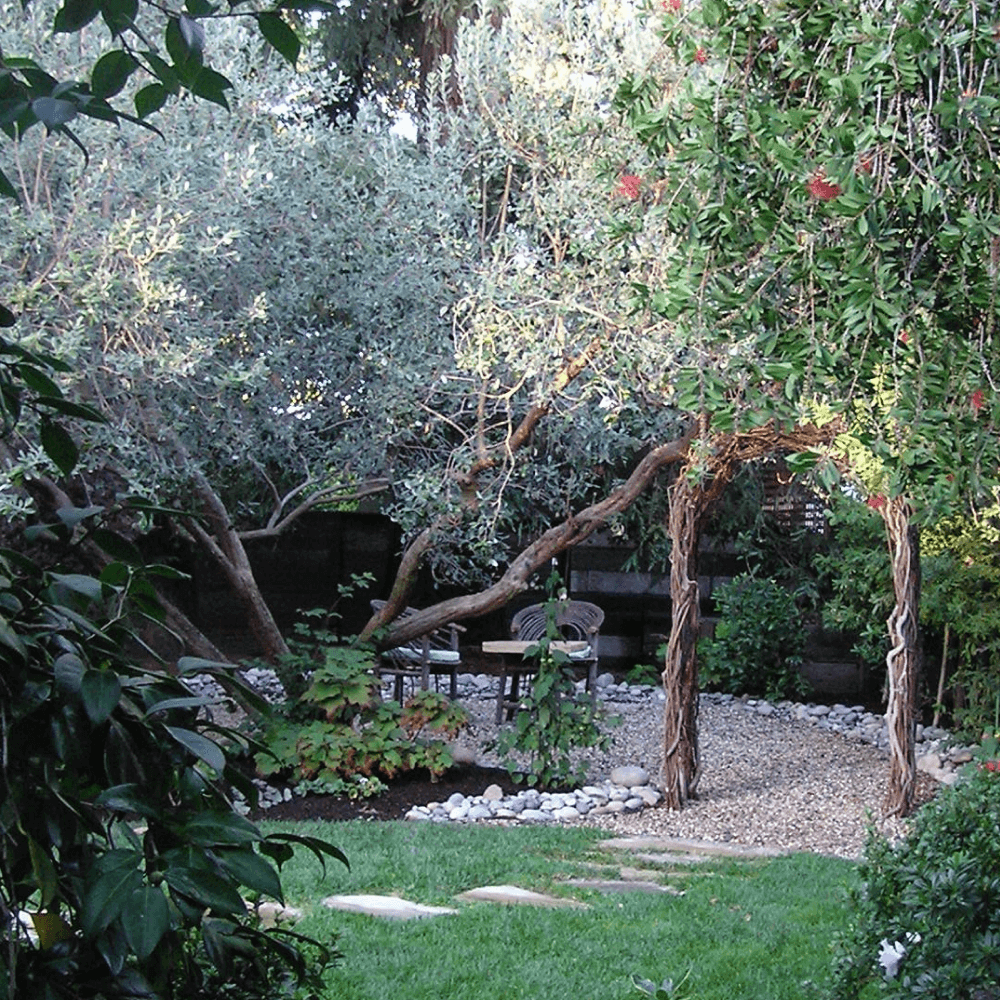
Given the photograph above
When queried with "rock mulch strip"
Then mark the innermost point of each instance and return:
(627, 790)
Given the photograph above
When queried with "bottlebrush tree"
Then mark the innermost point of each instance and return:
(828, 184)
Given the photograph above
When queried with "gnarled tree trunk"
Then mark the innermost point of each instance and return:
(679, 775)
(903, 659)
(557, 539)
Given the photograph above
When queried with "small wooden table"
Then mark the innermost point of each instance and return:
(513, 665)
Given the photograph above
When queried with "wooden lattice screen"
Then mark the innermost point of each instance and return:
(790, 503)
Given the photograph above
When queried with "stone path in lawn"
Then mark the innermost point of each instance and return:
(654, 857)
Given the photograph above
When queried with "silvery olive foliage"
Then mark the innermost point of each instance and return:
(551, 321)
(276, 303)
(257, 286)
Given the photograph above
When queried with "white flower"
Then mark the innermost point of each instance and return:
(890, 955)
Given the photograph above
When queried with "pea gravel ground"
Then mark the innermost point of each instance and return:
(764, 781)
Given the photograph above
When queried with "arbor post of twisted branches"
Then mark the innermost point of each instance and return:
(680, 770)
(903, 659)
(699, 483)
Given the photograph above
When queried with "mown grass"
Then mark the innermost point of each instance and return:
(758, 929)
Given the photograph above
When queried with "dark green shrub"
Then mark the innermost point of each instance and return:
(936, 897)
(119, 842)
(758, 642)
(123, 867)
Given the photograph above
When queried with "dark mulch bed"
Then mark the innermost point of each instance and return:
(415, 788)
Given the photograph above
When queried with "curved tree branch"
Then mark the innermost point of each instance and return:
(571, 532)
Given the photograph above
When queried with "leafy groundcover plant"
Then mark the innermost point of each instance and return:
(927, 918)
(333, 729)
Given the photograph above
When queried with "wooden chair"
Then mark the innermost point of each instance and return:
(576, 621)
(435, 653)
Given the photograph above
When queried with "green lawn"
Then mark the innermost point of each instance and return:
(758, 929)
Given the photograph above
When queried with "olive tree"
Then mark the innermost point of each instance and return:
(262, 314)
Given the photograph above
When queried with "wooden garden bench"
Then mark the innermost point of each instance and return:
(435, 653)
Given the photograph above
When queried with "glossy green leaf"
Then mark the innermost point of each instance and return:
(320, 848)
(53, 112)
(44, 872)
(117, 547)
(8, 191)
(229, 828)
(150, 99)
(249, 869)
(68, 670)
(119, 15)
(146, 918)
(69, 408)
(72, 517)
(111, 73)
(59, 445)
(104, 900)
(37, 381)
(210, 86)
(74, 15)
(80, 584)
(280, 36)
(101, 691)
(128, 798)
(205, 888)
(203, 748)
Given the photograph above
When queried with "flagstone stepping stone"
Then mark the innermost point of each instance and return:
(676, 845)
(390, 907)
(513, 894)
(622, 885)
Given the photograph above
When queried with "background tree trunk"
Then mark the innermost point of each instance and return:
(903, 660)
(679, 776)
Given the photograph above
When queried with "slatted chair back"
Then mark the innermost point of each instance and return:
(435, 653)
(575, 620)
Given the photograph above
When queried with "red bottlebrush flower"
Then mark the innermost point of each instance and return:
(628, 186)
(876, 501)
(978, 400)
(700, 55)
(904, 336)
(992, 765)
(672, 6)
(820, 187)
